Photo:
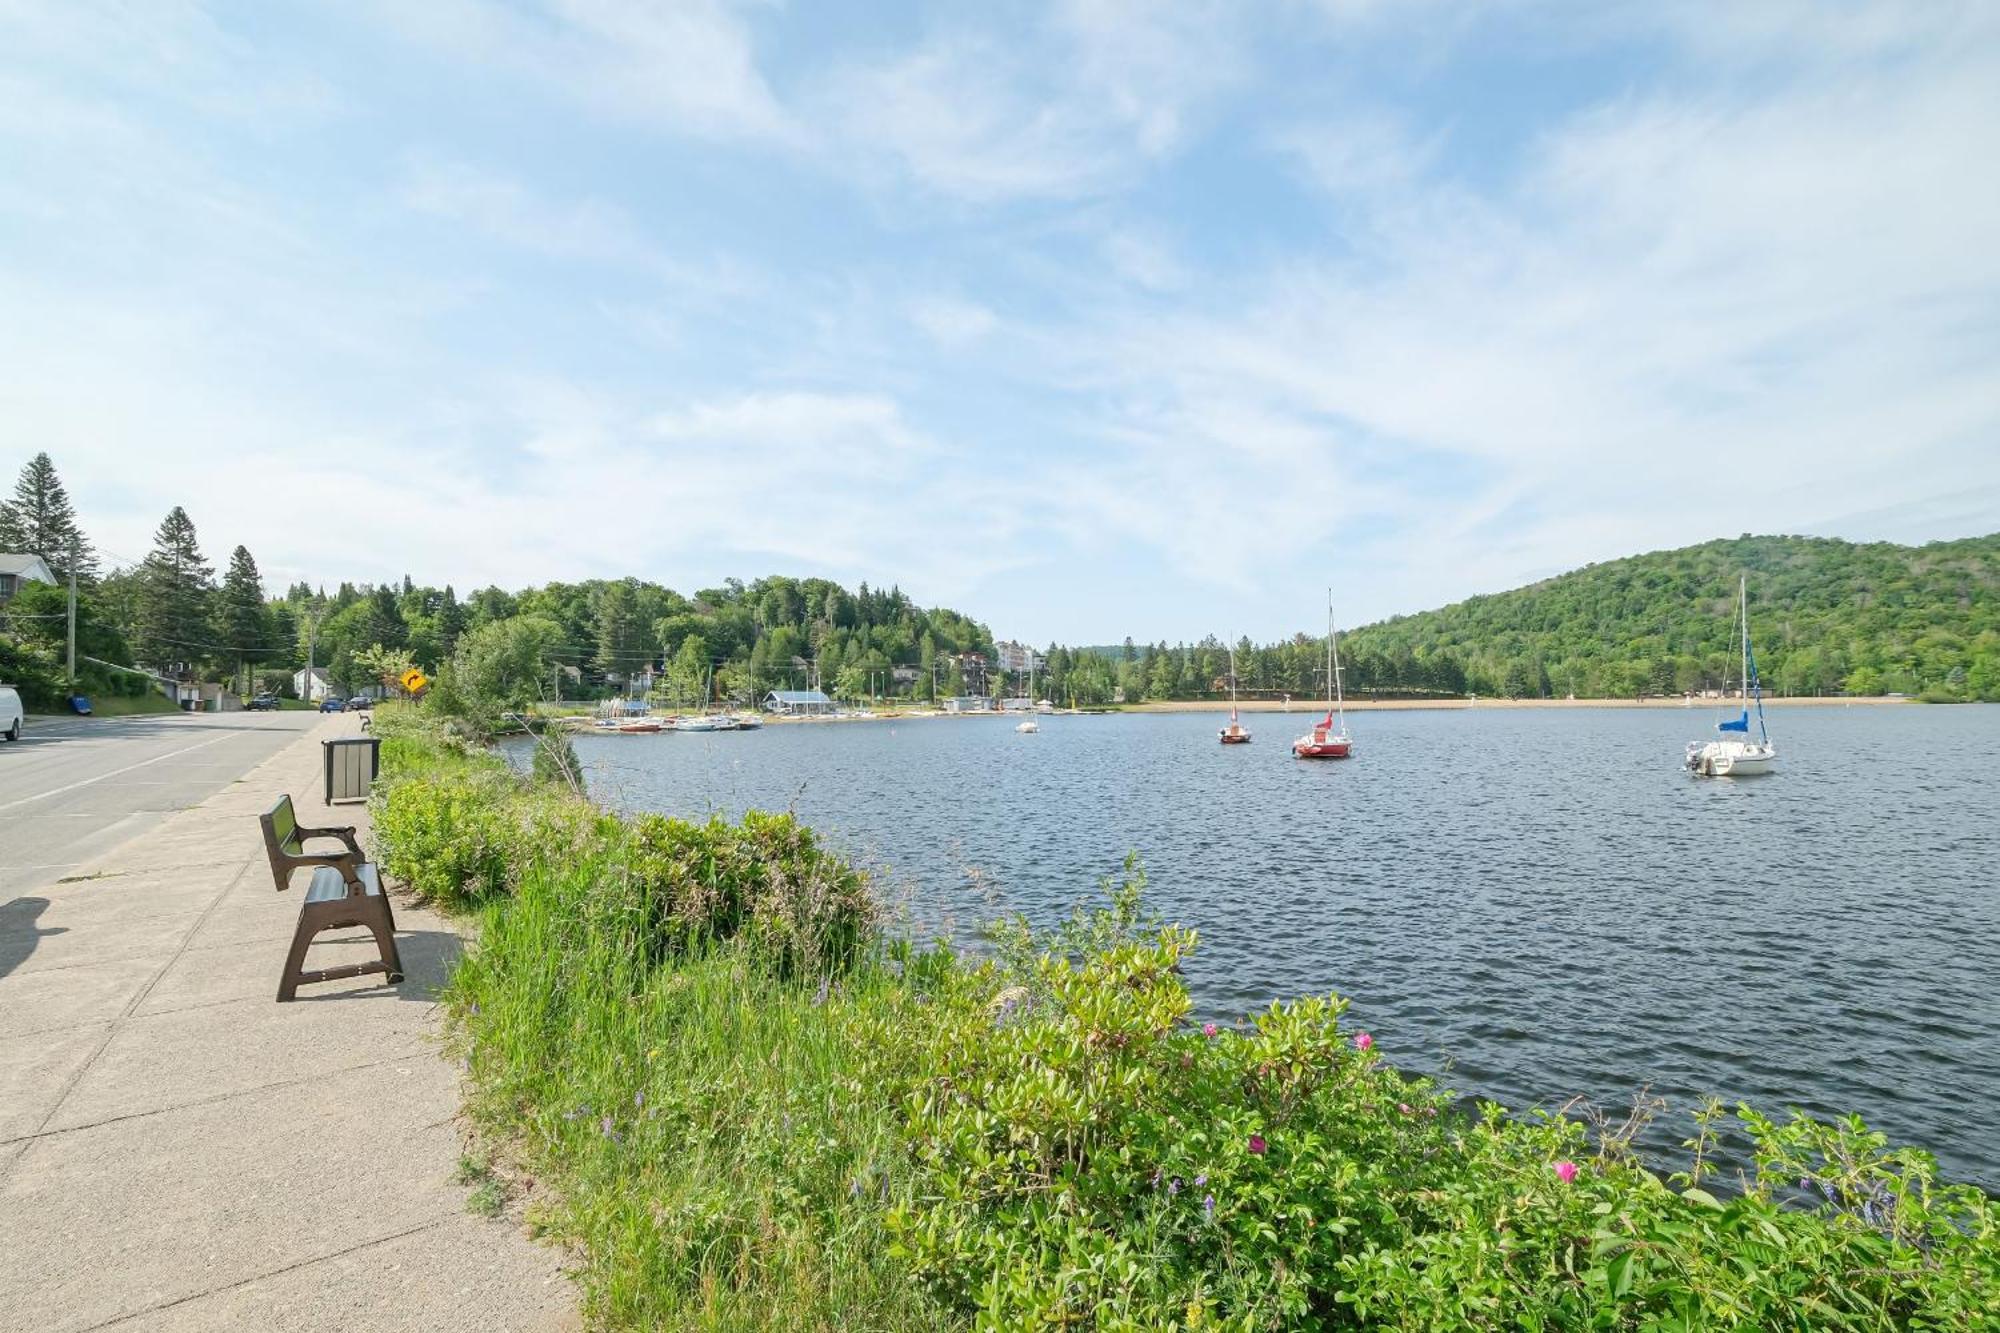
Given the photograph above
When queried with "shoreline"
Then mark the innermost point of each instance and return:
(1369, 705)
(1298, 707)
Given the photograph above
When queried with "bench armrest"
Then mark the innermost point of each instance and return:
(347, 863)
(345, 834)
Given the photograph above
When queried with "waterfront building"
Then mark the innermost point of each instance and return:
(969, 703)
(798, 703)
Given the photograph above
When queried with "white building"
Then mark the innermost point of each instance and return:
(19, 567)
(315, 690)
(1017, 658)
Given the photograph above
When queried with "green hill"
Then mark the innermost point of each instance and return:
(1826, 616)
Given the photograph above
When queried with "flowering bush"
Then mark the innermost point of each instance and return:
(1085, 1155)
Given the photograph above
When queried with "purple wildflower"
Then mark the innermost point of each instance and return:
(1208, 1207)
(1257, 1145)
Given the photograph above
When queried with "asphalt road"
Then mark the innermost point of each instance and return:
(72, 788)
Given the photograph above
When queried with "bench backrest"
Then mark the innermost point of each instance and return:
(281, 839)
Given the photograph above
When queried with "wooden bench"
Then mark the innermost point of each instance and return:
(345, 890)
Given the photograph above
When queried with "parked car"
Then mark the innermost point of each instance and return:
(262, 703)
(359, 703)
(12, 715)
(333, 703)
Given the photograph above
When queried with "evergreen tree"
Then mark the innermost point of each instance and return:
(41, 520)
(175, 585)
(242, 623)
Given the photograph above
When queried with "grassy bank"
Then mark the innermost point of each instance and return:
(745, 1108)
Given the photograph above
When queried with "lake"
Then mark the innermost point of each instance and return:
(1532, 904)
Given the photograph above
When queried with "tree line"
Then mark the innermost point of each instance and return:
(1828, 617)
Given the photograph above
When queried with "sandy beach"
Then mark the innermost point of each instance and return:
(1363, 705)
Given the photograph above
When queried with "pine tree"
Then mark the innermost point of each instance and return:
(242, 623)
(41, 520)
(174, 591)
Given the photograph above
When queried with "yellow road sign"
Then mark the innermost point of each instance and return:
(415, 681)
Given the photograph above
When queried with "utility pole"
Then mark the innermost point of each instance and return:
(310, 627)
(72, 615)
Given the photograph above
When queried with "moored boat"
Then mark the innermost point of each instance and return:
(1233, 734)
(1328, 738)
(1735, 755)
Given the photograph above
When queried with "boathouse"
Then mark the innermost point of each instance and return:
(798, 703)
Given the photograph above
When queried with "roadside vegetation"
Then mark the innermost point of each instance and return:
(747, 1104)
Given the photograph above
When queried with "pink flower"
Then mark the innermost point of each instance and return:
(1362, 1041)
(1257, 1145)
(1566, 1172)
(1404, 1107)
(1208, 1029)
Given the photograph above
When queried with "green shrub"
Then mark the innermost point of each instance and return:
(1080, 1154)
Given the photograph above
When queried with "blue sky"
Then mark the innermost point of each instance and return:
(1090, 319)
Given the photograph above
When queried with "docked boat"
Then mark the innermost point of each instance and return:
(1233, 734)
(638, 725)
(1735, 755)
(1328, 738)
(702, 722)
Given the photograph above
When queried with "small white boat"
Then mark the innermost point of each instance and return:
(1027, 726)
(747, 721)
(704, 723)
(1736, 755)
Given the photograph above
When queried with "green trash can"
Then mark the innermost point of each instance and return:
(351, 765)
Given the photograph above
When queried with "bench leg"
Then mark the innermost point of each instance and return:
(384, 930)
(295, 960)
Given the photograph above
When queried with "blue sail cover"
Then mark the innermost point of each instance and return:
(1741, 724)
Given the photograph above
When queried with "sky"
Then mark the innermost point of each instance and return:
(1088, 319)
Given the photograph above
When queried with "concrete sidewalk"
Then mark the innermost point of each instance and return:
(180, 1152)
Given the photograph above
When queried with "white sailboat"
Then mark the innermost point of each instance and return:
(1234, 733)
(1736, 755)
(1029, 726)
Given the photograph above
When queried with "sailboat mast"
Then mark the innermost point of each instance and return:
(1743, 605)
(1333, 665)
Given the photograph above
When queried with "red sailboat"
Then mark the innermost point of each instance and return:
(1328, 739)
(1233, 734)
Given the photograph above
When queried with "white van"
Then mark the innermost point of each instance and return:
(11, 714)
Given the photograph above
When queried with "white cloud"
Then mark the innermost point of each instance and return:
(1076, 109)
(685, 66)
(951, 322)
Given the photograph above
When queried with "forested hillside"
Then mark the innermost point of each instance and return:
(1827, 617)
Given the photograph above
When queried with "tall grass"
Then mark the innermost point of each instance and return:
(722, 1161)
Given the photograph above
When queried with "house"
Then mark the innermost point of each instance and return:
(798, 703)
(904, 676)
(315, 690)
(17, 568)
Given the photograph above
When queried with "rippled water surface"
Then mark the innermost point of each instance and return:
(1538, 902)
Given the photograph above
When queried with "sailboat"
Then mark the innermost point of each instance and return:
(1028, 726)
(1328, 739)
(1233, 734)
(1736, 755)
